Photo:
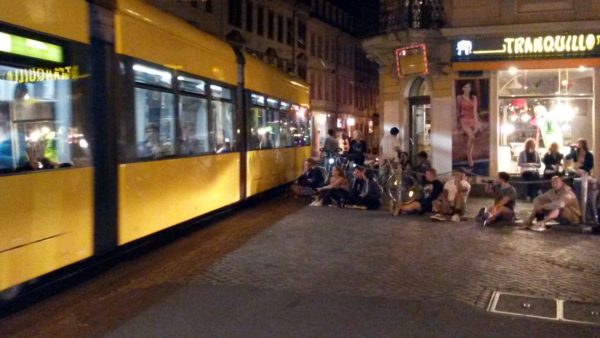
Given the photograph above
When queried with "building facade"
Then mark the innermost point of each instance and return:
(471, 81)
(312, 39)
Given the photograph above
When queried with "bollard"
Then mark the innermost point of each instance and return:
(584, 193)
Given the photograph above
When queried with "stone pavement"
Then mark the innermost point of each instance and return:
(373, 254)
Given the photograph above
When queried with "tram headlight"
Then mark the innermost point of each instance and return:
(331, 161)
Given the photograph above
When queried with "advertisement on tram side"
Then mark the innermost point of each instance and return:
(471, 127)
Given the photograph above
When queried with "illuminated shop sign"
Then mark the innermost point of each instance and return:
(527, 47)
(412, 60)
(41, 74)
(14, 44)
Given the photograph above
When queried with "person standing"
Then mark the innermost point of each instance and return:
(358, 147)
(468, 118)
(331, 144)
(390, 146)
(529, 162)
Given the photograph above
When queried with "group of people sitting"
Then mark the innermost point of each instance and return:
(363, 192)
(446, 201)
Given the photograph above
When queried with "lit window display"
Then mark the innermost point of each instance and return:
(546, 105)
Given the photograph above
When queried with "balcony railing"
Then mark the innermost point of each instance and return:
(411, 14)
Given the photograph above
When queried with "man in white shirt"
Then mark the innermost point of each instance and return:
(453, 199)
(390, 146)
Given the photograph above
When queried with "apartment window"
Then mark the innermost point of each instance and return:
(194, 3)
(290, 31)
(312, 44)
(270, 24)
(249, 16)
(235, 13)
(319, 47)
(260, 20)
(280, 28)
(301, 34)
(208, 6)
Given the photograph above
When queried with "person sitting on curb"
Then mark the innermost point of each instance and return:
(505, 196)
(453, 199)
(336, 190)
(559, 203)
(432, 189)
(365, 192)
(309, 181)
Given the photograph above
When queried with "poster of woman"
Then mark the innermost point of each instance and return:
(471, 132)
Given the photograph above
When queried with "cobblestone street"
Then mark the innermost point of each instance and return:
(373, 254)
(284, 269)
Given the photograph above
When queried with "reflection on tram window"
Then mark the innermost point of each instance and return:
(40, 120)
(299, 126)
(220, 92)
(193, 121)
(281, 125)
(152, 76)
(222, 126)
(154, 123)
(191, 85)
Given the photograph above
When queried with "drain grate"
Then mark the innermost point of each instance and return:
(582, 312)
(545, 308)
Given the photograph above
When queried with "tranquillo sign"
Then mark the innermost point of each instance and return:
(527, 47)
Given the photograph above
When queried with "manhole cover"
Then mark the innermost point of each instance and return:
(525, 305)
(554, 309)
(582, 312)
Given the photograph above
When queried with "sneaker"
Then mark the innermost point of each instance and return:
(439, 217)
(317, 203)
(539, 226)
(485, 223)
(480, 217)
(455, 218)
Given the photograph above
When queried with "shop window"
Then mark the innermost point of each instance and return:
(41, 112)
(154, 124)
(546, 105)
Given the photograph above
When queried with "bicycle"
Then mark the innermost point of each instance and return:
(400, 185)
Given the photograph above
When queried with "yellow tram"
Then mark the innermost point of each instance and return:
(201, 127)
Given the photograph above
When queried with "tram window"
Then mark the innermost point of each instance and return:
(300, 126)
(151, 76)
(191, 85)
(220, 92)
(256, 117)
(154, 123)
(285, 135)
(222, 126)
(40, 119)
(193, 123)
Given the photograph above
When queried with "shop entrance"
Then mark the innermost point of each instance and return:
(419, 119)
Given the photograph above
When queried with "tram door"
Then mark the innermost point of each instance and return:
(420, 127)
